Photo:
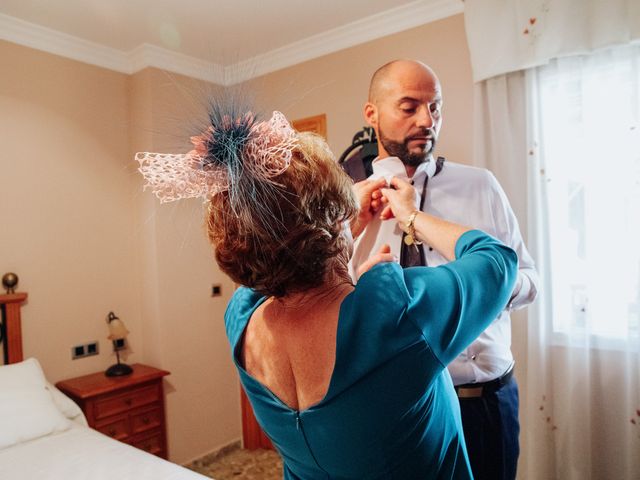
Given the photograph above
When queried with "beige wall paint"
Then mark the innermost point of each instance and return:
(85, 239)
(337, 84)
(182, 325)
(65, 193)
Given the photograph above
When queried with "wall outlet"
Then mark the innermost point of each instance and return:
(85, 350)
(119, 344)
(216, 290)
(92, 348)
(77, 352)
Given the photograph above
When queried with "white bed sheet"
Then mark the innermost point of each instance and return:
(81, 453)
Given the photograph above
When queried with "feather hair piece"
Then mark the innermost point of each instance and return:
(233, 150)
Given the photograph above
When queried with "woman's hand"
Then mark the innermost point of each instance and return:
(383, 255)
(370, 200)
(400, 201)
(435, 232)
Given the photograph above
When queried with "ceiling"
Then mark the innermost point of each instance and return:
(216, 36)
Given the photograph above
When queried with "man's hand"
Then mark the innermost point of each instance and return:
(383, 255)
(369, 198)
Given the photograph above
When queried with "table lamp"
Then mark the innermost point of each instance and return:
(117, 331)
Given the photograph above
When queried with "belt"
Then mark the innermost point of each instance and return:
(477, 390)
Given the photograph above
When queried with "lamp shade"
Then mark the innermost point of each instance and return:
(117, 330)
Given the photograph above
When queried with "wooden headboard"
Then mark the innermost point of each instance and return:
(11, 326)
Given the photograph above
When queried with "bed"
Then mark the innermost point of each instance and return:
(43, 433)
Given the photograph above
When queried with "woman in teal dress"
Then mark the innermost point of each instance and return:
(348, 381)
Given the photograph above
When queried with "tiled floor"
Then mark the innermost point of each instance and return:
(236, 463)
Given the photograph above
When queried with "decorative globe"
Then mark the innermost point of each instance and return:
(9, 281)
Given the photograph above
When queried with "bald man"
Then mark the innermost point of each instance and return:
(405, 109)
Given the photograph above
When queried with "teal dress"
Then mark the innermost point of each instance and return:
(391, 411)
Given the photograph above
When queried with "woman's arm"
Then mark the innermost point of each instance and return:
(452, 304)
(438, 233)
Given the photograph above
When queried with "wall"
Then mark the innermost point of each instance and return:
(182, 325)
(65, 193)
(85, 239)
(337, 84)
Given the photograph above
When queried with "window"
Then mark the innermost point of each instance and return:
(590, 134)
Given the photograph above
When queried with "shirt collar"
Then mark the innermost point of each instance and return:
(389, 167)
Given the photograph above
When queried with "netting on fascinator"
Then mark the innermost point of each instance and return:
(231, 148)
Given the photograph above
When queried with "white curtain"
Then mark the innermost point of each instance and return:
(564, 139)
(510, 35)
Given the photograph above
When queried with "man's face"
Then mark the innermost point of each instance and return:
(408, 115)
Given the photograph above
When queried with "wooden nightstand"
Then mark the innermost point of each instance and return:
(128, 408)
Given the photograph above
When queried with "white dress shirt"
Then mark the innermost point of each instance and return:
(473, 197)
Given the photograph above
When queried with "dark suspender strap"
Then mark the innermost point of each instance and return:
(439, 165)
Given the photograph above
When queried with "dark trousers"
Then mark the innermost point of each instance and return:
(491, 430)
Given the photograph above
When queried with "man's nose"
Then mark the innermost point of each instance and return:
(424, 118)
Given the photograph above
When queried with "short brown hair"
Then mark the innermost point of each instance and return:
(300, 240)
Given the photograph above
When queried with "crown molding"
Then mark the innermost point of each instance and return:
(147, 55)
(369, 28)
(52, 41)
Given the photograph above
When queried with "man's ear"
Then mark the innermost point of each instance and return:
(371, 114)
